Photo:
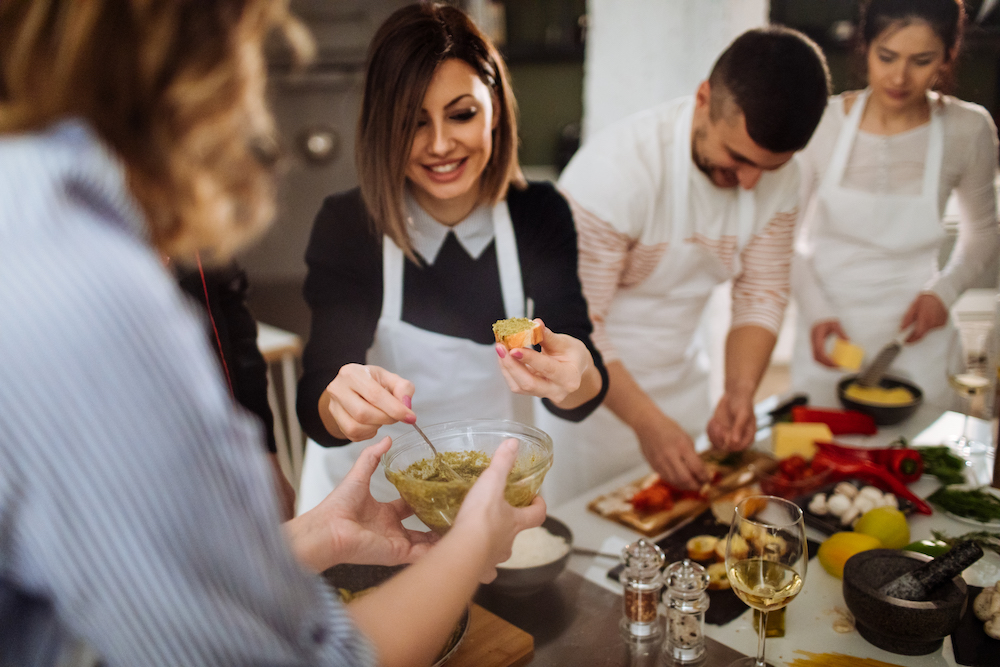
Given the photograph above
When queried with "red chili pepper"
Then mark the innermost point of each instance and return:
(906, 465)
(844, 467)
(841, 422)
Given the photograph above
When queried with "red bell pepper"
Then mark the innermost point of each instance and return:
(906, 465)
(841, 422)
(843, 467)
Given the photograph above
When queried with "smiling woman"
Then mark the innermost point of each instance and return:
(408, 273)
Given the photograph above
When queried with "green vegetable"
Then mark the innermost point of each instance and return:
(940, 462)
(983, 538)
(972, 503)
(933, 548)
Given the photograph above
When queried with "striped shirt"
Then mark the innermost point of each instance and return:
(620, 187)
(136, 510)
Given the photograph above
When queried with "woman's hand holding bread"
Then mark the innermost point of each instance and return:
(363, 398)
(562, 372)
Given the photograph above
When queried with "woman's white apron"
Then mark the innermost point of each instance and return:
(454, 378)
(653, 326)
(874, 253)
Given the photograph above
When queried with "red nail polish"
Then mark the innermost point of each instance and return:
(410, 419)
(501, 351)
(408, 402)
(517, 354)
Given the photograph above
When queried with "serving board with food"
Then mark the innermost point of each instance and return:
(650, 506)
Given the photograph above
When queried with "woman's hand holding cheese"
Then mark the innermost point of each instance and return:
(927, 312)
(363, 398)
(821, 331)
(562, 372)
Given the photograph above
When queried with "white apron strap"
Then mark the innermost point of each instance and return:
(508, 263)
(747, 209)
(838, 161)
(681, 173)
(392, 281)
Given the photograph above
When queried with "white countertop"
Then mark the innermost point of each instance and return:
(809, 619)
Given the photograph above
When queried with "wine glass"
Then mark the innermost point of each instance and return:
(968, 371)
(766, 559)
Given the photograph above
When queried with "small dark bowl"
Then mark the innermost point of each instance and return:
(884, 415)
(900, 626)
(521, 581)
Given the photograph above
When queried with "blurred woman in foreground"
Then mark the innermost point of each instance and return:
(136, 509)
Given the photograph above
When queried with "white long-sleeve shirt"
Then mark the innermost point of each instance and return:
(894, 165)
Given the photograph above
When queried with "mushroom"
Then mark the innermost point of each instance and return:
(862, 504)
(818, 505)
(846, 489)
(838, 504)
(986, 606)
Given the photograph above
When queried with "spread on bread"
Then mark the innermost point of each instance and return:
(701, 547)
(718, 578)
(517, 332)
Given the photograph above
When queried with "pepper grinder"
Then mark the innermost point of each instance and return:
(687, 601)
(643, 583)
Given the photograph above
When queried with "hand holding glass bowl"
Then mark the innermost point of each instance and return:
(766, 559)
(468, 447)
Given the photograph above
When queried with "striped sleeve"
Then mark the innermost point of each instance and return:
(609, 260)
(760, 292)
(139, 503)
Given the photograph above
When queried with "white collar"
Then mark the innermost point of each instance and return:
(474, 233)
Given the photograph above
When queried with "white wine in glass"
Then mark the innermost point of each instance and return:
(766, 559)
(969, 375)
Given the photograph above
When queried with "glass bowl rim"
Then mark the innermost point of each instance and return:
(413, 439)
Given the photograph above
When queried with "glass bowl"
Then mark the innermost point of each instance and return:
(436, 503)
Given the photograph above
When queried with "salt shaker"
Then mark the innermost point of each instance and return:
(686, 602)
(643, 583)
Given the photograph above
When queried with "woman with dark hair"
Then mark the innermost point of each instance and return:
(408, 272)
(876, 176)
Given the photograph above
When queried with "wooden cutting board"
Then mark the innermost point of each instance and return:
(615, 505)
(492, 642)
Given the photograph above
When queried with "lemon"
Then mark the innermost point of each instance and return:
(887, 524)
(837, 548)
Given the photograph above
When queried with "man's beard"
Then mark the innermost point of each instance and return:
(722, 178)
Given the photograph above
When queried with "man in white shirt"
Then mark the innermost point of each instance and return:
(656, 236)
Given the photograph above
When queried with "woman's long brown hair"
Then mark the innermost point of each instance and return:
(403, 55)
(175, 89)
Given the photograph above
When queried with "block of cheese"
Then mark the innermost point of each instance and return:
(847, 355)
(788, 439)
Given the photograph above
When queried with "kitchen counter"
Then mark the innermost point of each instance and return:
(809, 623)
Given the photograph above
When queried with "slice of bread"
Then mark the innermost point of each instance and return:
(701, 547)
(517, 332)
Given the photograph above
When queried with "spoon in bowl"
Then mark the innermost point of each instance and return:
(439, 461)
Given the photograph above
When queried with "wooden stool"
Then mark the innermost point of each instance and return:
(283, 348)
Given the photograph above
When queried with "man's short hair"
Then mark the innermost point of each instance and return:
(779, 79)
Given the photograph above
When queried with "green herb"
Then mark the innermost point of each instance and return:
(972, 504)
(983, 538)
(940, 462)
